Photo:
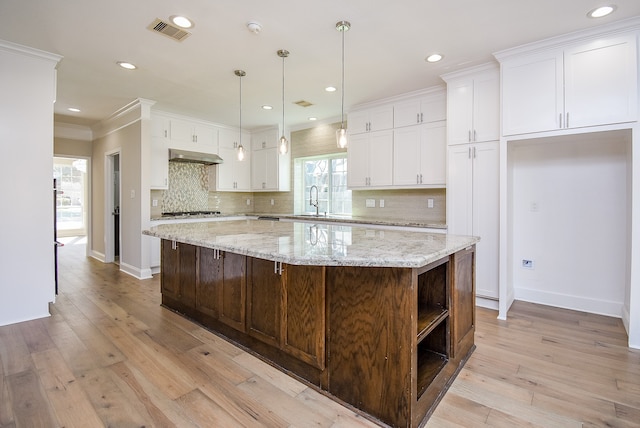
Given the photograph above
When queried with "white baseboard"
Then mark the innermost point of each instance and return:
(577, 303)
(625, 318)
(484, 302)
(98, 256)
(135, 272)
(155, 270)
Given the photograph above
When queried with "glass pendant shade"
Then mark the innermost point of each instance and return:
(284, 145)
(341, 137)
(241, 152)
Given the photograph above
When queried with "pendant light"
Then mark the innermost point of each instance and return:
(341, 134)
(284, 144)
(241, 152)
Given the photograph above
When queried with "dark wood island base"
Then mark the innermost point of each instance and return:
(386, 341)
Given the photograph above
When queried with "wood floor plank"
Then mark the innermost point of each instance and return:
(14, 352)
(205, 412)
(6, 413)
(30, 405)
(68, 399)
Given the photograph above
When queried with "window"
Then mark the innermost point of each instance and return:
(329, 174)
(70, 199)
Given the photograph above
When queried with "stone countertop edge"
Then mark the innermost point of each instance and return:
(287, 242)
(320, 218)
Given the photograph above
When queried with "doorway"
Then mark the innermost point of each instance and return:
(72, 196)
(112, 207)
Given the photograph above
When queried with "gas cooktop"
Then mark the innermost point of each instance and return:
(189, 213)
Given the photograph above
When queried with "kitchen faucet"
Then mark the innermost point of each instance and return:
(311, 202)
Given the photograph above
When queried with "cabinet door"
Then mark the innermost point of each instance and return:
(187, 255)
(358, 122)
(532, 93)
(225, 172)
(459, 111)
(264, 169)
(601, 81)
(264, 295)
(232, 292)
(209, 282)
(160, 126)
(486, 217)
(182, 131)
(228, 139)
(358, 160)
(380, 158)
(486, 107)
(170, 279)
(463, 303)
(159, 163)
(406, 156)
(303, 333)
(433, 154)
(265, 139)
(381, 118)
(243, 172)
(406, 113)
(459, 190)
(206, 137)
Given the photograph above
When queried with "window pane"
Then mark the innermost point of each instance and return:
(329, 175)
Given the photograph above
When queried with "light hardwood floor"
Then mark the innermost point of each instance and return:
(111, 356)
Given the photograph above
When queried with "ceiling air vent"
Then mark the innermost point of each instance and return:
(303, 103)
(162, 27)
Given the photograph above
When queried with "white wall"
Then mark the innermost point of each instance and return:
(27, 85)
(570, 209)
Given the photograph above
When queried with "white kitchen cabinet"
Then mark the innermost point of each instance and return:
(193, 136)
(265, 139)
(473, 105)
(369, 157)
(420, 155)
(270, 170)
(159, 163)
(585, 84)
(160, 126)
(232, 175)
(473, 204)
(371, 119)
(425, 109)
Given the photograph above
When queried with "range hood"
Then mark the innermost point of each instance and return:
(176, 155)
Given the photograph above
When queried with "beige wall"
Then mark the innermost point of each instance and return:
(73, 148)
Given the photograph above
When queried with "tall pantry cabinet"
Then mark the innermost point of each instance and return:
(473, 181)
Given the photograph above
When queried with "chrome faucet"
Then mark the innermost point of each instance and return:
(311, 202)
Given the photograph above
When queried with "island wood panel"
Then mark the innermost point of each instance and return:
(370, 340)
(264, 301)
(463, 302)
(233, 290)
(303, 323)
(209, 282)
(180, 281)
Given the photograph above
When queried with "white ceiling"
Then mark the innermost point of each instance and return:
(385, 50)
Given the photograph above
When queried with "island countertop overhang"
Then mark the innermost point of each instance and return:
(303, 243)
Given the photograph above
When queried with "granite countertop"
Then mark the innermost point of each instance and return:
(303, 243)
(331, 218)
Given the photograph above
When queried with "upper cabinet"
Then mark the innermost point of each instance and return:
(270, 170)
(370, 160)
(589, 83)
(473, 105)
(232, 174)
(194, 136)
(424, 109)
(371, 119)
(420, 155)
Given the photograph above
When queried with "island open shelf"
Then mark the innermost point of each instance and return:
(383, 333)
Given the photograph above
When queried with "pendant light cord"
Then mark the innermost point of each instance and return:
(342, 109)
(283, 57)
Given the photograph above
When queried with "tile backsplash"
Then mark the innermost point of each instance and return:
(188, 188)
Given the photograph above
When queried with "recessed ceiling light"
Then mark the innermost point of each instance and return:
(182, 21)
(330, 89)
(313, 118)
(267, 107)
(601, 11)
(127, 65)
(434, 57)
(73, 109)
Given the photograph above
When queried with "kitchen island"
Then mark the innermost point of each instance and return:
(379, 320)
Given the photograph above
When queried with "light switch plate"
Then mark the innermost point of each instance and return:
(370, 203)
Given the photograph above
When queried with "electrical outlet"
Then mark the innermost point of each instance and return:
(133, 193)
(154, 202)
(273, 202)
(370, 203)
(527, 264)
(430, 203)
(248, 201)
(381, 202)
